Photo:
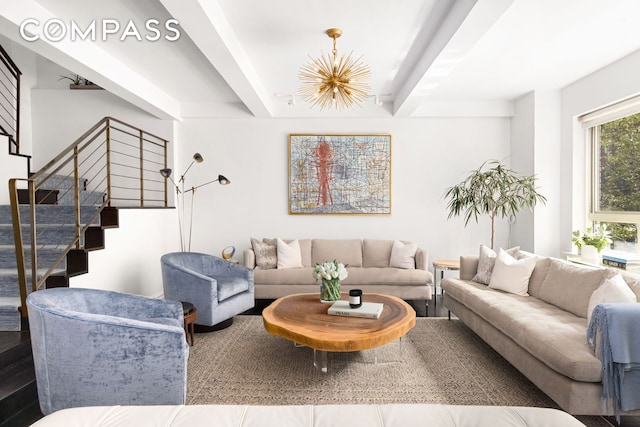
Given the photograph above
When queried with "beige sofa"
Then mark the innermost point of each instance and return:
(544, 334)
(368, 266)
(400, 415)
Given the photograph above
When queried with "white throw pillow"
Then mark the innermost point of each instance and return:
(512, 275)
(486, 260)
(613, 289)
(403, 256)
(289, 255)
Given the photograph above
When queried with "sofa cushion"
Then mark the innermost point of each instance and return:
(512, 275)
(305, 249)
(486, 261)
(538, 275)
(633, 280)
(613, 289)
(569, 286)
(403, 255)
(348, 252)
(376, 253)
(554, 336)
(288, 254)
(293, 276)
(376, 275)
(230, 286)
(266, 254)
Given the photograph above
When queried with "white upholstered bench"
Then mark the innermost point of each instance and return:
(401, 415)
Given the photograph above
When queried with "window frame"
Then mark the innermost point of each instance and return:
(591, 124)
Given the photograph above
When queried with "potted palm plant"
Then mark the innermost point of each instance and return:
(494, 190)
(592, 241)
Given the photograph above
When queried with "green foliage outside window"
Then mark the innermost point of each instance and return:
(619, 172)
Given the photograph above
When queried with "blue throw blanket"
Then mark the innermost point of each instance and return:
(617, 326)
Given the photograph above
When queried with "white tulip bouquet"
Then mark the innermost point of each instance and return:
(330, 273)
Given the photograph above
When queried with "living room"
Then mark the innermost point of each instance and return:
(555, 68)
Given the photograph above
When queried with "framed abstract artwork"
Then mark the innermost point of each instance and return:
(340, 174)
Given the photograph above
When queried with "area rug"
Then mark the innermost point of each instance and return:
(438, 361)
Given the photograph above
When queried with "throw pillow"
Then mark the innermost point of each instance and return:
(289, 255)
(613, 289)
(266, 255)
(570, 286)
(403, 256)
(512, 275)
(486, 261)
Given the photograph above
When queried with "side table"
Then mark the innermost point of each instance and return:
(190, 314)
(442, 265)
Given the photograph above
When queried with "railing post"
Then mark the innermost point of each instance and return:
(19, 246)
(17, 135)
(76, 195)
(34, 238)
(166, 196)
(141, 169)
(108, 135)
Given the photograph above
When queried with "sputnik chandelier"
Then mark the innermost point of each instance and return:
(331, 82)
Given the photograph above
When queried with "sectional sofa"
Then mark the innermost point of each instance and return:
(382, 266)
(543, 331)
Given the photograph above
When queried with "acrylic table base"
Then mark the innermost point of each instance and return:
(321, 359)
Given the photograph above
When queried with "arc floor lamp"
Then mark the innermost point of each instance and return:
(180, 194)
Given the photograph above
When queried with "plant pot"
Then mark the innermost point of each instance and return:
(589, 252)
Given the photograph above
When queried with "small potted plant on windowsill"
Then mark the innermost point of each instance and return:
(592, 241)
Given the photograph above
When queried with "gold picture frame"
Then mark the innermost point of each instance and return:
(340, 174)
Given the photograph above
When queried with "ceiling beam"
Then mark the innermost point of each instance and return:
(438, 50)
(208, 27)
(86, 59)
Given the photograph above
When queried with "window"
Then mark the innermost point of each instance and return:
(614, 136)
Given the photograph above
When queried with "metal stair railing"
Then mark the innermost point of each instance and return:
(113, 164)
(10, 101)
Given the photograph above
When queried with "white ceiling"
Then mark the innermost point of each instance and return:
(240, 58)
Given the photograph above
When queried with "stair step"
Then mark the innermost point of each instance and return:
(17, 389)
(9, 281)
(47, 233)
(9, 314)
(53, 214)
(47, 255)
(13, 347)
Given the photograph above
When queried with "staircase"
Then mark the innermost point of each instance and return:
(55, 229)
(18, 393)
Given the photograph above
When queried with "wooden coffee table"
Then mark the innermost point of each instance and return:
(303, 319)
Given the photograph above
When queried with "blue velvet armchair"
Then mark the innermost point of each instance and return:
(218, 289)
(94, 347)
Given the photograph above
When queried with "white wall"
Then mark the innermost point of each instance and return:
(535, 142)
(613, 83)
(61, 116)
(131, 260)
(428, 155)
(522, 161)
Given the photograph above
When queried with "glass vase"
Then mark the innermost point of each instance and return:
(330, 290)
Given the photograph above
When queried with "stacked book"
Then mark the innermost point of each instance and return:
(371, 310)
(621, 260)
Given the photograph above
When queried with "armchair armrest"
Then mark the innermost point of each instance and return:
(422, 259)
(468, 266)
(249, 258)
